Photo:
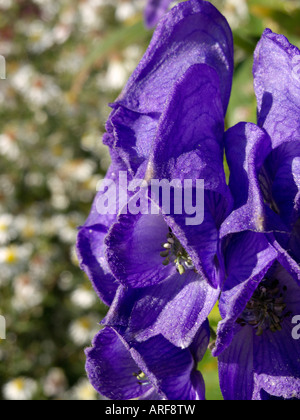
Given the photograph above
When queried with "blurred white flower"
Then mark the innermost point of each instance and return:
(7, 229)
(78, 170)
(83, 297)
(5, 4)
(28, 227)
(90, 14)
(235, 11)
(9, 146)
(38, 90)
(128, 9)
(84, 391)
(15, 254)
(14, 259)
(115, 76)
(65, 226)
(39, 37)
(49, 8)
(27, 293)
(20, 389)
(55, 382)
(84, 329)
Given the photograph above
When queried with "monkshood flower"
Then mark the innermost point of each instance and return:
(267, 190)
(177, 269)
(168, 124)
(170, 272)
(152, 370)
(258, 353)
(259, 357)
(154, 11)
(193, 32)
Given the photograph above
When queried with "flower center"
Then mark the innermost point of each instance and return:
(175, 253)
(266, 309)
(142, 378)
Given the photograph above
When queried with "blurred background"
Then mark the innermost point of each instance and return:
(65, 61)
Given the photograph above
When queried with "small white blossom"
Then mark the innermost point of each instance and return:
(20, 389)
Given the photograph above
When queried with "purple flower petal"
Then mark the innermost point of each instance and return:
(91, 247)
(249, 256)
(276, 364)
(115, 368)
(247, 148)
(192, 121)
(282, 171)
(285, 258)
(236, 367)
(172, 370)
(91, 250)
(277, 87)
(154, 11)
(193, 32)
(202, 241)
(269, 360)
(111, 369)
(132, 135)
(175, 308)
(134, 246)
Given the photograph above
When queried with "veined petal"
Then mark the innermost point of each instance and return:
(91, 254)
(282, 169)
(277, 87)
(286, 260)
(192, 121)
(111, 369)
(236, 367)
(248, 149)
(193, 32)
(91, 236)
(134, 246)
(247, 146)
(276, 362)
(132, 136)
(248, 257)
(171, 369)
(175, 308)
(188, 146)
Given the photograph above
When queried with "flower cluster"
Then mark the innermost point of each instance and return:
(51, 163)
(161, 277)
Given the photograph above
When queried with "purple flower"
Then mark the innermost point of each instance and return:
(176, 269)
(258, 356)
(266, 161)
(255, 345)
(154, 11)
(168, 123)
(192, 33)
(154, 369)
